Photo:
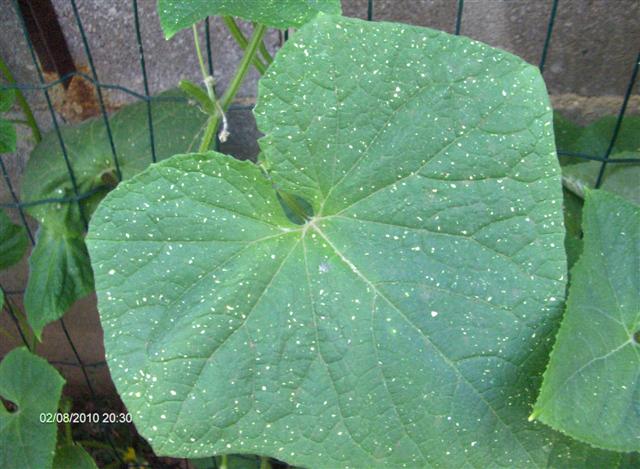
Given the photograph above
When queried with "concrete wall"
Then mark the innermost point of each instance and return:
(593, 48)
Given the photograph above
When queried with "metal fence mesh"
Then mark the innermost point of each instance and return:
(44, 87)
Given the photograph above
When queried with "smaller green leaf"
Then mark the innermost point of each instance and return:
(176, 15)
(59, 275)
(8, 138)
(73, 456)
(13, 242)
(618, 178)
(176, 125)
(7, 98)
(34, 387)
(590, 386)
(200, 95)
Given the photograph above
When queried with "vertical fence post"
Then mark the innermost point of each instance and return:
(145, 81)
(459, 16)
(547, 39)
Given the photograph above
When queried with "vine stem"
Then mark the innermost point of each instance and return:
(236, 33)
(196, 42)
(234, 86)
(264, 463)
(24, 105)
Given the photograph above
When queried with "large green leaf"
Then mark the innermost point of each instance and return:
(407, 324)
(13, 241)
(34, 387)
(176, 15)
(73, 456)
(59, 275)
(175, 124)
(590, 390)
(619, 178)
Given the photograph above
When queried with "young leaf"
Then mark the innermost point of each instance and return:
(8, 138)
(590, 387)
(200, 95)
(73, 456)
(406, 324)
(7, 98)
(59, 275)
(176, 15)
(13, 242)
(34, 386)
(618, 178)
(176, 125)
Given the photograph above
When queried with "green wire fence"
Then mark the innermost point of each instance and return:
(44, 87)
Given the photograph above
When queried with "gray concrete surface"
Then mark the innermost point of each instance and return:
(593, 48)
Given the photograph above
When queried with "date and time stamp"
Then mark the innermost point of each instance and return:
(85, 417)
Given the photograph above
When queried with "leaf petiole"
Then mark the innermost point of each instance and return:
(234, 86)
(237, 34)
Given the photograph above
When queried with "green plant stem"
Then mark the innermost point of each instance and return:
(7, 334)
(65, 408)
(24, 105)
(30, 337)
(196, 42)
(234, 86)
(224, 462)
(236, 33)
(265, 53)
(264, 463)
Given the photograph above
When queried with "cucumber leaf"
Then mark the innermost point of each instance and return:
(176, 124)
(59, 275)
(34, 386)
(407, 323)
(176, 15)
(13, 242)
(590, 389)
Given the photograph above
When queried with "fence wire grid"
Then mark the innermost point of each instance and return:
(44, 87)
